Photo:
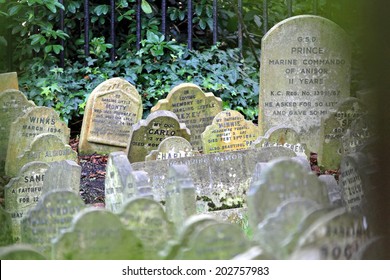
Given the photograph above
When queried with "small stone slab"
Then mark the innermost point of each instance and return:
(147, 219)
(172, 147)
(111, 109)
(138, 185)
(148, 134)
(20, 252)
(52, 215)
(193, 107)
(36, 121)
(334, 190)
(13, 104)
(6, 228)
(97, 234)
(62, 175)
(229, 132)
(9, 81)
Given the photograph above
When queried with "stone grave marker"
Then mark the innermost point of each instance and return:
(304, 73)
(282, 136)
(111, 110)
(9, 81)
(36, 121)
(147, 134)
(334, 190)
(20, 252)
(193, 107)
(62, 175)
(138, 185)
(13, 104)
(278, 181)
(333, 129)
(52, 215)
(172, 147)
(6, 228)
(229, 132)
(23, 192)
(147, 219)
(45, 147)
(97, 234)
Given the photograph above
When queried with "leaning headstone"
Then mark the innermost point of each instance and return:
(52, 215)
(23, 192)
(147, 134)
(147, 219)
(13, 104)
(172, 147)
(334, 190)
(304, 73)
(20, 252)
(9, 81)
(6, 228)
(97, 234)
(278, 181)
(111, 109)
(229, 132)
(36, 121)
(193, 107)
(63, 175)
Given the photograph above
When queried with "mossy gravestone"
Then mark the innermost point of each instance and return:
(63, 175)
(304, 73)
(147, 134)
(111, 109)
(20, 252)
(229, 132)
(9, 81)
(53, 214)
(97, 234)
(13, 104)
(193, 107)
(36, 121)
(172, 147)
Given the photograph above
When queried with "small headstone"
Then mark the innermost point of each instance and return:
(172, 147)
(52, 215)
(138, 185)
(304, 73)
(97, 234)
(193, 107)
(334, 190)
(36, 121)
(62, 175)
(6, 228)
(13, 104)
(23, 192)
(147, 219)
(9, 81)
(333, 129)
(229, 132)
(20, 252)
(358, 135)
(112, 108)
(147, 134)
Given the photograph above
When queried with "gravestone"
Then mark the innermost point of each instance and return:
(282, 136)
(6, 228)
(62, 175)
(334, 190)
(193, 107)
(229, 132)
(9, 81)
(147, 134)
(23, 192)
(45, 147)
(147, 219)
(304, 73)
(333, 128)
(36, 121)
(97, 234)
(138, 185)
(111, 109)
(278, 181)
(20, 252)
(13, 104)
(172, 147)
(52, 215)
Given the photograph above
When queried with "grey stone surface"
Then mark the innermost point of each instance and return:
(172, 147)
(138, 185)
(334, 190)
(9, 81)
(63, 175)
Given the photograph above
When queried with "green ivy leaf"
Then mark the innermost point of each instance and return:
(145, 6)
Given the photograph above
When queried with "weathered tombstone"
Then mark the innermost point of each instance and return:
(45, 147)
(62, 175)
(97, 234)
(36, 121)
(13, 104)
(282, 136)
(9, 81)
(235, 216)
(193, 107)
(278, 181)
(357, 135)
(305, 72)
(137, 185)
(23, 192)
(172, 147)
(334, 190)
(147, 219)
(111, 109)
(147, 134)
(20, 252)
(52, 215)
(6, 228)
(333, 128)
(229, 132)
